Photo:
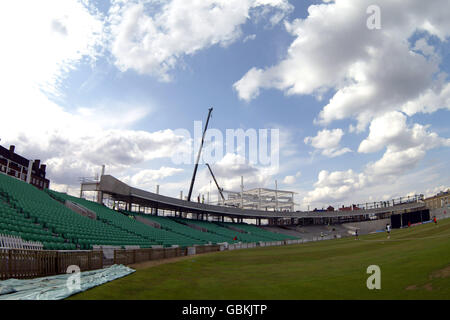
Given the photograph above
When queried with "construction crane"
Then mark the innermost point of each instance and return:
(217, 185)
(198, 155)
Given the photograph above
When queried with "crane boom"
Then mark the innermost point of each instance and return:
(198, 156)
(217, 185)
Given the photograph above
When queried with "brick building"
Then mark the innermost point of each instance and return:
(440, 200)
(21, 168)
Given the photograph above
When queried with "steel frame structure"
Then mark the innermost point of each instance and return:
(261, 199)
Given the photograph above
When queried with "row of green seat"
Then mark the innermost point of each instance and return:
(265, 235)
(215, 232)
(35, 215)
(64, 227)
(227, 232)
(123, 222)
(195, 236)
(14, 223)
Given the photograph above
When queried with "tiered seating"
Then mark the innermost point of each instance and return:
(124, 223)
(264, 235)
(180, 227)
(63, 227)
(35, 215)
(216, 232)
(228, 233)
(14, 223)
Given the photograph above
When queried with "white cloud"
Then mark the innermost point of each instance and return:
(395, 163)
(433, 191)
(405, 147)
(250, 37)
(328, 142)
(50, 39)
(371, 71)
(423, 46)
(148, 178)
(429, 101)
(43, 42)
(391, 129)
(373, 74)
(73, 147)
(155, 43)
(334, 186)
(289, 180)
(229, 170)
(346, 193)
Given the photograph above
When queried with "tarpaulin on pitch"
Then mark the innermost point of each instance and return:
(59, 286)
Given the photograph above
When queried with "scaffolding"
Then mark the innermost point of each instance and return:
(260, 199)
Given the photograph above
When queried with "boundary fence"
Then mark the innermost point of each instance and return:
(23, 264)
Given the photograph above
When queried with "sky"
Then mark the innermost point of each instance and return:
(355, 96)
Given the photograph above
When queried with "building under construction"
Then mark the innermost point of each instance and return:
(261, 199)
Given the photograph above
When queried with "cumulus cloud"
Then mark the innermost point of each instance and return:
(250, 37)
(371, 71)
(377, 77)
(433, 191)
(292, 179)
(405, 146)
(36, 57)
(229, 170)
(289, 180)
(328, 142)
(391, 129)
(152, 37)
(73, 146)
(148, 178)
(45, 41)
(334, 186)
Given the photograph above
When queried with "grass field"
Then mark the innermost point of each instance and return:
(414, 262)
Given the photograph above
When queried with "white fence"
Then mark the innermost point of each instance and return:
(12, 242)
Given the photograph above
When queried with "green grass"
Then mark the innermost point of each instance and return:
(334, 269)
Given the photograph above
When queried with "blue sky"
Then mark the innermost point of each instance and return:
(363, 114)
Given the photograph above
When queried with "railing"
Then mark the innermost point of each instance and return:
(390, 203)
(85, 212)
(128, 257)
(21, 264)
(13, 242)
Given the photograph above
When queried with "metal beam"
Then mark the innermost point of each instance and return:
(198, 155)
(217, 185)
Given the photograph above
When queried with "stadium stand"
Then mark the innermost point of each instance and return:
(33, 215)
(12, 242)
(260, 233)
(41, 216)
(125, 224)
(14, 221)
(196, 236)
(214, 232)
(174, 231)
